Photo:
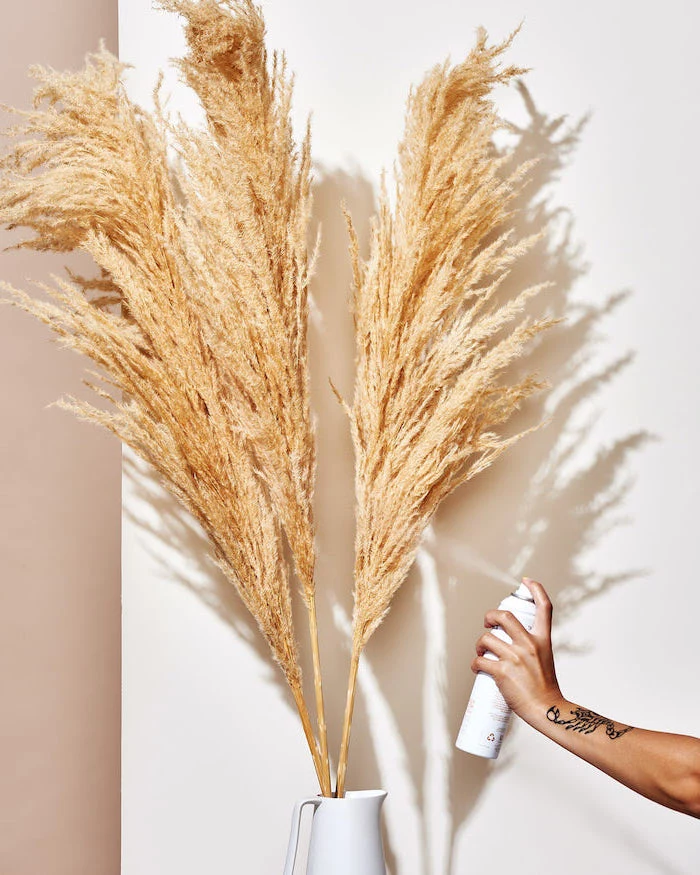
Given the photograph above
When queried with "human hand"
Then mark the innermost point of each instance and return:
(524, 668)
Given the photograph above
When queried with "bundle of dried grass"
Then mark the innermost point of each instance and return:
(210, 346)
(431, 341)
(198, 321)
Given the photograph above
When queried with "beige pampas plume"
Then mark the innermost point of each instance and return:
(430, 340)
(210, 346)
(249, 204)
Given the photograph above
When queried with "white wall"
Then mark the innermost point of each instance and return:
(212, 754)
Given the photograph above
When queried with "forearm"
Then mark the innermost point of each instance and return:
(662, 766)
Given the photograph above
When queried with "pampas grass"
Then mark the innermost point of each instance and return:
(197, 322)
(430, 341)
(210, 347)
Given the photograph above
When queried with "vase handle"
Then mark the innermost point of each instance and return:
(294, 834)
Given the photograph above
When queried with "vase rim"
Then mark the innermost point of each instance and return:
(356, 794)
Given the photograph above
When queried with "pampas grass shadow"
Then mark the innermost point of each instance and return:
(178, 532)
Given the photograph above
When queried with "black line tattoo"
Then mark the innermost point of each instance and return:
(585, 722)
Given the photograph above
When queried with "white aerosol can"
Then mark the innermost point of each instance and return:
(487, 716)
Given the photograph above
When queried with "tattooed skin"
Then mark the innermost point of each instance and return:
(585, 722)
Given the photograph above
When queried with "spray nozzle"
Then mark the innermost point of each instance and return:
(522, 592)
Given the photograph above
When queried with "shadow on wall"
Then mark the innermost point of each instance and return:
(536, 512)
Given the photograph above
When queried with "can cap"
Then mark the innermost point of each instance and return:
(522, 592)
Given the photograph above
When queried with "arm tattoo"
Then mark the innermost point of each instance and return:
(585, 722)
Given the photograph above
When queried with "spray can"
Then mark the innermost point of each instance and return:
(487, 716)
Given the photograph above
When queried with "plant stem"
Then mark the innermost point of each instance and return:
(320, 709)
(347, 721)
(308, 730)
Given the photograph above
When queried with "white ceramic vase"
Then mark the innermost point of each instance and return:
(346, 836)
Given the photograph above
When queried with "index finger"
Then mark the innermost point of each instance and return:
(508, 622)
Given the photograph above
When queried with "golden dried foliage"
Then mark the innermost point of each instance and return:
(431, 339)
(198, 318)
(210, 346)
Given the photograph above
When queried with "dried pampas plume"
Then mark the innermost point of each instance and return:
(210, 347)
(428, 350)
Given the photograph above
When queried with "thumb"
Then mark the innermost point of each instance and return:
(543, 615)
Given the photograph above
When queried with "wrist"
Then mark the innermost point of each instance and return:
(535, 711)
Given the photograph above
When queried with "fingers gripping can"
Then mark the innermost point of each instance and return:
(487, 716)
